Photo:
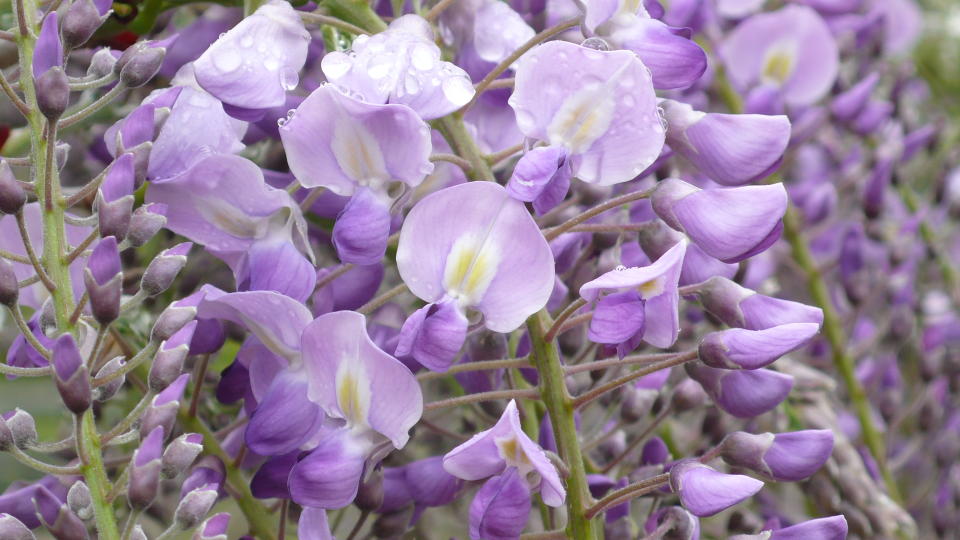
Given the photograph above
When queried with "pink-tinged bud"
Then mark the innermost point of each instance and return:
(60, 522)
(9, 287)
(145, 222)
(180, 454)
(163, 269)
(81, 21)
(12, 529)
(104, 392)
(786, 457)
(145, 470)
(194, 506)
(737, 348)
(163, 410)
(53, 93)
(103, 279)
(12, 195)
(704, 491)
(214, 528)
(79, 500)
(71, 375)
(139, 63)
(168, 362)
(114, 203)
(22, 426)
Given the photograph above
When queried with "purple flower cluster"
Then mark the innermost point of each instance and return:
(479, 269)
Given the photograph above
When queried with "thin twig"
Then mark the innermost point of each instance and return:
(624, 494)
(379, 301)
(640, 439)
(563, 316)
(529, 393)
(42, 466)
(100, 103)
(27, 334)
(593, 394)
(12, 95)
(32, 255)
(497, 157)
(616, 362)
(78, 251)
(452, 158)
(554, 232)
(311, 198)
(437, 9)
(476, 366)
(334, 274)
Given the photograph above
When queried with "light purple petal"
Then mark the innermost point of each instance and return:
(353, 379)
(330, 474)
(361, 231)
(275, 319)
(797, 455)
(284, 419)
(481, 247)
(599, 105)
(737, 348)
(704, 491)
(433, 335)
(498, 30)
(339, 142)
(277, 265)
(674, 60)
(828, 528)
(313, 525)
(616, 318)
(257, 61)
(500, 509)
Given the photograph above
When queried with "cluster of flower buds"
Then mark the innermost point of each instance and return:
(479, 269)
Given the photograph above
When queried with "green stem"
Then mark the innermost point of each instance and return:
(54, 234)
(455, 132)
(553, 390)
(95, 475)
(948, 269)
(836, 337)
(257, 515)
(357, 12)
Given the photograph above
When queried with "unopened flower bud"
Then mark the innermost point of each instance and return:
(101, 64)
(704, 491)
(743, 393)
(107, 391)
(180, 454)
(145, 222)
(71, 375)
(685, 525)
(194, 506)
(9, 288)
(81, 21)
(6, 436)
(163, 409)
(60, 522)
(596, 43)
(168, 363)
(163, 269)
(688, 395)
(12, 195)
(79, 500)
(53, 93)
(737, 348)
(214, 528)
(145, 470)
(787, 457)
(103, 279)
(392, 524)
(12, 529)
(114, 202)
(138, 64)
(175, 317)
(48, 317)
(636, 403)
(22, 426)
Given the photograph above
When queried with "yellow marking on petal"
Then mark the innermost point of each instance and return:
(587, 114)
(652, 288)
(778, 65)
(353, 394)
(471, 266)
(512, 452)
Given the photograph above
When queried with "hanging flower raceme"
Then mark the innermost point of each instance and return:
(596, 109)
(357, 149)
(789, 54)
(674, 60)
(515, 465)
(401, 65)
(252, 66)
(640, 304)
(223, 203)
(469, 246)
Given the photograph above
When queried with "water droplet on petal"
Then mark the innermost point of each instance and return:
(620, 268)
(227, 59)
(458, 90)
(289, 78)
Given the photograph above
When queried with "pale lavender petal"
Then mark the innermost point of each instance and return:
(430, 484)
(353, 379)
(257, 61)
(598, 105)
(361, 231)
(277, 265)
(330, 474)
(313, 525)
(285, 418)
(674, 60)
(275, 319)
(498, 30)
(704, 491)
(433, 335)
(616, 318)
(828, 528)
(339, 142)
(481, 247)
